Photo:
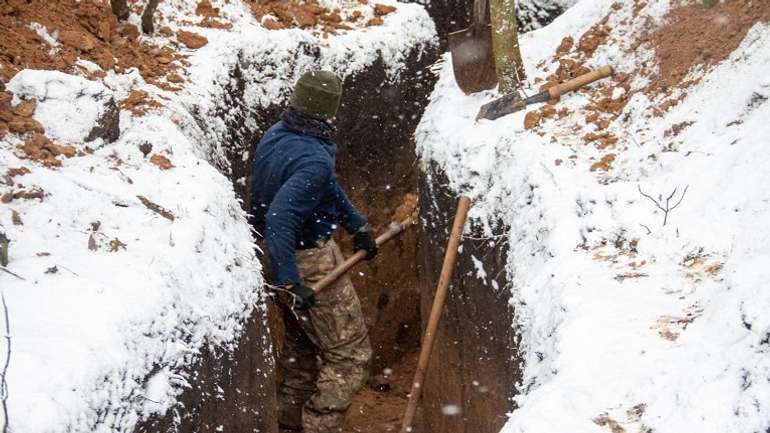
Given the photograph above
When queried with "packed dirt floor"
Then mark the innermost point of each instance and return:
(379, 407)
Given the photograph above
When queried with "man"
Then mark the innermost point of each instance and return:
(297, 204)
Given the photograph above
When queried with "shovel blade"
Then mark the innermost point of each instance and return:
(501, 107)
(473, 60)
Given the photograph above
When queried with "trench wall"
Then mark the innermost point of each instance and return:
(230, 390)
(474, 364)
(474, 367)
(234, 389)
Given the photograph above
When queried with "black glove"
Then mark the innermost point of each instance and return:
(304, 297)
(364, 240)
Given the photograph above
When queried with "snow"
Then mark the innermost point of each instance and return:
(68, 105)
(51, 39)
(94, 322)
(532, 13)
(624, 321)
(108, 338)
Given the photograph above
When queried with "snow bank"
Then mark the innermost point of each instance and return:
(113, 291)
(70, 106)
(138, 255)
(628, 324)
(531, 13)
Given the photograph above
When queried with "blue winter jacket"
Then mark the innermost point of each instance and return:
(296, 201)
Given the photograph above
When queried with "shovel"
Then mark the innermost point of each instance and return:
(473, 60)
(394, 230)
(512, 103)
(447, 269)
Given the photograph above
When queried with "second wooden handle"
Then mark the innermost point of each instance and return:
(429, 338)
(394, 230)
(578, 82)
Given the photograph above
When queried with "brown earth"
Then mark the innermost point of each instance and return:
(696, 36)
(17, 119)
(309, 14)
(138, 102)
(11, 173)
(380, 406)
(34, 192)
(86, 29)
(40, 148)
(593, 38)
(691, 37)
(191, 40)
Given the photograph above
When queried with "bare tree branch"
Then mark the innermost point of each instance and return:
(651, 198)
(681, 198)
(659, 202)
(2, 268)
(4, 377)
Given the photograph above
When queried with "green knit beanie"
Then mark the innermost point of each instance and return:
(317, 94)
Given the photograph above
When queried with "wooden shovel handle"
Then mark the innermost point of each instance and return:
(578, 82)
(394, 230)
(447, 269)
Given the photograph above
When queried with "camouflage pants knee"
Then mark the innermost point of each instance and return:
(327, 351)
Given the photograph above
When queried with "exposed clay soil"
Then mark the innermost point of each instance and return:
(85, 29)
(696, 36)
(281, 14)
(380, 406)
(693, 37)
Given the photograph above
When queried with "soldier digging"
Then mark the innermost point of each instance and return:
(297, 204)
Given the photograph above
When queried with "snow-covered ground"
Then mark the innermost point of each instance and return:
(113, 300)
(628, 324)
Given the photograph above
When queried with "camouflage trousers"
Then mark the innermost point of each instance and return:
(327, 351)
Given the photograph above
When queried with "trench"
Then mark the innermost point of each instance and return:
(474, 368)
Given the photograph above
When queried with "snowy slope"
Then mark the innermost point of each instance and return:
(87, 336)
(627, 324)
(115, 300)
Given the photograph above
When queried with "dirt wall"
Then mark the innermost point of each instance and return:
(231, 391)
(376, 165)
(474, 367)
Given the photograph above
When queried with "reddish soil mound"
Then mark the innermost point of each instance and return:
(84, 29)
(17, 119)
(40, 148)
(692, 36)
(284, 14)
(696, 36)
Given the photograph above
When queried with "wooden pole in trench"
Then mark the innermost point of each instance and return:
(447, 269)
(394, 230)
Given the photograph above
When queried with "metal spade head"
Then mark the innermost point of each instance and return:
(473, 60)
(502, 106)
